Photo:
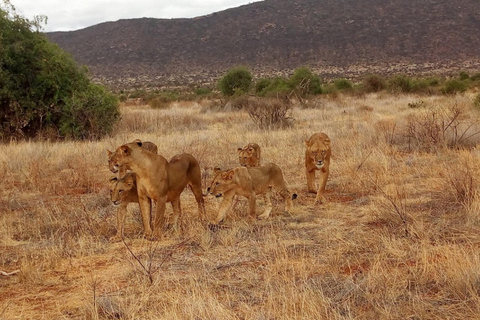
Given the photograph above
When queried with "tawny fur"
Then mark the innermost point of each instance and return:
(160, 180)
(317, 158)
(249, 155)
(150, 146)
(249, 182)
(122, 192)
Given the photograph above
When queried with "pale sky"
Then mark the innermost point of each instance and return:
(73, 15)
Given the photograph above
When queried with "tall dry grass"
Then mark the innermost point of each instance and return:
(397, 239)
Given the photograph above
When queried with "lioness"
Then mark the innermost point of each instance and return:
(317, 157)
(249, 182)
(150, 146)
(122, 192)
(249, 156)
(160, 180)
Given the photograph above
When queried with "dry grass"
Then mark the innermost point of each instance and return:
(399, 237)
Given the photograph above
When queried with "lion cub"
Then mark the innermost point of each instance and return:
(249, 155)
(122, 192)
(317, 157)
(249, 182)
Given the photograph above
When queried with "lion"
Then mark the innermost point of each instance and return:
(249, 156)
(160, 180)
(150, 146)
(249, 182)
(317, 157)
(122, 192)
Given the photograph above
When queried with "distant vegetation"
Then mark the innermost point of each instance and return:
(43, 91)
(304, 84)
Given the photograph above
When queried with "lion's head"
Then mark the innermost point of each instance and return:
(249, 155)
(222, 182)
(319, 151)
(120, 188)
(118, 158)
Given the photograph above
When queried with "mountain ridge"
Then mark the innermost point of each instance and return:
(273, 37)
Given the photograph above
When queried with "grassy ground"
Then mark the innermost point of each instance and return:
(399, 237)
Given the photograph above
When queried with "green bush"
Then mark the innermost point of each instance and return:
(343, 84)
(463, 75)
(261, 86)
(374, 83)
(304, 82)
(89, 114)
(475, 77)
(43, 89)
(400, 84)
(236, 81)
(453, 86)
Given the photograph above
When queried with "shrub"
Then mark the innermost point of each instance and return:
(304, 82)
(261, 86)
(475, 77)
(89, 114)
(374, 83)
(400, 84)
(343, 84)
(270, 113)
(453, 86)
(202, 91)
(435, 128)
(463, 75)
(43, 89)
(237, 80)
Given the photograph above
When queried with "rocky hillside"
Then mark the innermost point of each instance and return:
(334, 37)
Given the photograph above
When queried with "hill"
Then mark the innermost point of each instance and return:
(334, 37)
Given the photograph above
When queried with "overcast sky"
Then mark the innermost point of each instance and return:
(73, 15)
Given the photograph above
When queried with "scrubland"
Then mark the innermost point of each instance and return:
(398, 238)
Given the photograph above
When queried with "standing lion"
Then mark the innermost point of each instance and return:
(249, 156)
(317, 158)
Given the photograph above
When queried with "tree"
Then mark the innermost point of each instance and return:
(237, 80)
(41, 85)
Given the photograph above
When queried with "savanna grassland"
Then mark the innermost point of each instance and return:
(398, 238)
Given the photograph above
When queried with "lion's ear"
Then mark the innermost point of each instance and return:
(113, 179)
(307, 143)
(138, 142)
(230, 175)
(216, 170)
(327, 142)
(125, 150)
(239, 150)
(109, 153)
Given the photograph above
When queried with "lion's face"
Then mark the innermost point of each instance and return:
(318, 152)
(247, 156)
(119, 188)
(112, 163)
(120, 156)
(222, 182)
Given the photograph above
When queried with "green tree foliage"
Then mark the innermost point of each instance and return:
(43, 88)
(236, 81)
(272, 87)
(304, 82)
